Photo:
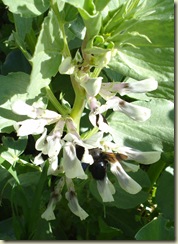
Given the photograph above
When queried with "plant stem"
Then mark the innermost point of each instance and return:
(60, 108)
(96, 72)
(79, 103)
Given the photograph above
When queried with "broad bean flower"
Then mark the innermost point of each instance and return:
(65, 136)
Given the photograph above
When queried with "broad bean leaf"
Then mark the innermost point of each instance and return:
(90, 14)
(13, 86)
(144, 40)
(13, 149)
(22, 25)
(140, 32)
(165, 90)
(27, 8)
(157, 133)
(158, 229)
(47, 55)
(165, 194)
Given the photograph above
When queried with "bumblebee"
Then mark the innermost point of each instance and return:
(101, 161)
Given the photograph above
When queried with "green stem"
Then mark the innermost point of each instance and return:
(96, 72)
(79, 103)
(60, 108)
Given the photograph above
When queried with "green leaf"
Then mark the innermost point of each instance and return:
(107, 232)
(13, 149)
(144, 62)
(91, 16)
(68, 13)
(124, 220)
(22, 25)
(165, 188)
(13, 86)
(157, 133)
(15, 62)
(6, 230)
(47, 55)
(144, 39)
(24, 36)
(158, 229)
(165, 90)
(27, 8)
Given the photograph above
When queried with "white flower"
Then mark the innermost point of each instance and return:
(55, 198)
(142, 86)
(73, 201)
(53, 165)
(125, 181)
(72, 165)
(41, 143)
(39, 118)
(49, 212)
(109, 90)
(51, 144)
(96, 118)
(30, 127)
(134, 111)
(94, 140)
(21, 108)
(148, 157)
(74, 205)
(106, 189)
(92, 85)
(67, 67)
(38, 160)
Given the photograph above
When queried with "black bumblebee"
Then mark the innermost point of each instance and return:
(101, 161)
(99, 167)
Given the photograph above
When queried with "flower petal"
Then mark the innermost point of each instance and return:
(53, 166)
(41, 143)
(142, 86)
(22, 108)
(94, 140)
(49, 212)
(72, 166)
(106, 189)
(38, 160)
(30, 127)
(125, 181)
(99, 121)
(92, 85)
(53, 144)
(149, 157)
(67, 67)
(130, 166)
(74, 205)
(134, 111)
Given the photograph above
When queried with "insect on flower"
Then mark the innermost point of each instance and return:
(101, 159)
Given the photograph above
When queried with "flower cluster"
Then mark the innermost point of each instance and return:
(65, 136)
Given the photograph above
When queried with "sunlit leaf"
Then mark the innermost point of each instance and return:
(12, 86)
(27, 8)
(47, 55)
